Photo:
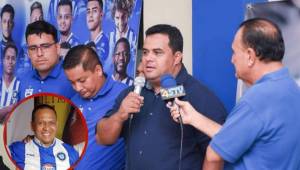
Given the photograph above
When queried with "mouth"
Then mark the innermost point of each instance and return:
(46, 134)
(149, 68)
(41, 62)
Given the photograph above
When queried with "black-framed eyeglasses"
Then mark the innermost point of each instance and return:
(43, 47)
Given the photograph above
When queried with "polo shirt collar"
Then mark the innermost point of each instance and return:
(106, 87)
(182, 75)
(54, 73)
(282, 72)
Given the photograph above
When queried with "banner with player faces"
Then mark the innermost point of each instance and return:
(80, 25)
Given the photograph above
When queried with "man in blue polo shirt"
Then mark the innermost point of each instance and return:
(153, 140)
(96, 94)
(262, 131)
(47, 75)
(9, 83)
(44, 151)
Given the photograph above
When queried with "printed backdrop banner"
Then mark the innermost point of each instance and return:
(118, 25)
(79, 29)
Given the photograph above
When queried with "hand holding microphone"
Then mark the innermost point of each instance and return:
(133, 101)
(183, 109)
(179, 109)
(169, 91)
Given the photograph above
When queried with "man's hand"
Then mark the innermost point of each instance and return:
(131, 104)
(183, 109)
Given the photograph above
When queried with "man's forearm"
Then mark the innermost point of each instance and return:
(206, 125)
(212, 161)
(109, 129)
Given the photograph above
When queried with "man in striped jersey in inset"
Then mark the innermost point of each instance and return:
(9, 83)
(45, 151)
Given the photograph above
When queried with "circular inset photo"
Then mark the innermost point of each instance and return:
(45, 132)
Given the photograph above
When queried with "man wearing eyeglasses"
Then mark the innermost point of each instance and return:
(121, 58)
(47, 75)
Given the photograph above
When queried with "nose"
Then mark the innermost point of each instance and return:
(39, 51)
(77, 87)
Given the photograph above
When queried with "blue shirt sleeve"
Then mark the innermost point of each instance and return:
(238, 134)
(17, 150)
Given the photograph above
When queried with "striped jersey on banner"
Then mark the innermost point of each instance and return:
(9, 95)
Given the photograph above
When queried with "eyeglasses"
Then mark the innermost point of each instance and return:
(42, 47)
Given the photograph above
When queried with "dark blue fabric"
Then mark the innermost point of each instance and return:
(155, 138)
(56, 82)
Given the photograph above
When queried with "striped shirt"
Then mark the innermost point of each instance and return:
(9, 95)
(34, 156)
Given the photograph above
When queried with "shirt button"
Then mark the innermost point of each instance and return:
(42, 82)
(145, 132)
(89, 108)
(151, 114)
(140, 152)
(91, 100)
(39, 90)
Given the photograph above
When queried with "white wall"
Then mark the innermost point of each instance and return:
(173, 12)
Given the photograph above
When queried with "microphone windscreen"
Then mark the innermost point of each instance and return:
(167, 81)
(139, 81)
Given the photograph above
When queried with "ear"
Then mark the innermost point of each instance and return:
(99, 70)
(251, 57)
(178, 57)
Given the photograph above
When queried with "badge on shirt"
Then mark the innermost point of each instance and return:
(61, 156)
(28, 92)
(48, 166)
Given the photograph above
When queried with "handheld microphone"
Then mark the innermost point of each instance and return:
(169, 91)
(139, 83)
(169, 88)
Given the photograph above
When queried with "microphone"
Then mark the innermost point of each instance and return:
(139, 83)
(169, 88)
(169, 91)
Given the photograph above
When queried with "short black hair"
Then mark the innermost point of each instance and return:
(39, 107)
(99, 2)
(124, 5)
(65, 2)
(8, 8)
(39, 27)
(264, 37)
(127, 46)
(10, 45)
(84, 55)
(36, 5)
(175, 37)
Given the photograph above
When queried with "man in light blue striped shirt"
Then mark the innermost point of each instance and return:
(9, 83)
